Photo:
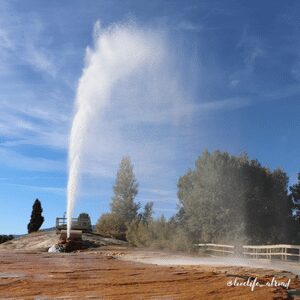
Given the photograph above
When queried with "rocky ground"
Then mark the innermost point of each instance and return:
(116, 271)
(43, 240)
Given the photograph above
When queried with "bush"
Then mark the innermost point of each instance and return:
(111, 225)
(139, 234)
(158, 234)
(180, 241)
(5, 238)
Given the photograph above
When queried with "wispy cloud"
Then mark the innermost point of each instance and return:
(47, 189)
(19, 161)
(251, 48)
(31, 114)
(24, 42)
(222, 105)
(33, 123)
(40, 60)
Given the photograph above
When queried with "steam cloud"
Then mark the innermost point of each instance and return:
(126, 69)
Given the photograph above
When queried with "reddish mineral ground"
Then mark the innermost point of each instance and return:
(118, 272)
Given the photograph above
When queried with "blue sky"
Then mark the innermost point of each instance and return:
(236, 64)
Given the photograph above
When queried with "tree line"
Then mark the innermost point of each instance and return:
(223, 199)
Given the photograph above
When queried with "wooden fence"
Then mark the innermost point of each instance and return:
(281, 251)
(217, 248)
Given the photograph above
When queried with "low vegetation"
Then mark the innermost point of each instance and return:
(5, 238)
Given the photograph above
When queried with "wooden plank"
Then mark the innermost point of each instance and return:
(219, 250)
(274, 253)
(220, 245)
(214, 245)
(272, 246)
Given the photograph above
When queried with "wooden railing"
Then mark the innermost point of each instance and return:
(216, 248)
(63, 221)
(77, 223)
(281, 251)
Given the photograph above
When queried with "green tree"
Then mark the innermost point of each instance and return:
(295, 197)
(233, 199)
(125, 190)
(295, 190)
(147, 213)
(36, 219)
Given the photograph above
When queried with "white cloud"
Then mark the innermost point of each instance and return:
(30, 114)
(40, 60)
(226, 104)
(25, 43)
(19, 161)
(251, 49)
(28, 121)
(47, 189)
(251, 57)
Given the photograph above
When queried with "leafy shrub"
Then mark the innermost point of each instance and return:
(158, 234)
(111, 225)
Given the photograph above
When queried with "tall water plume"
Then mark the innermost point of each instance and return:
(118, 52)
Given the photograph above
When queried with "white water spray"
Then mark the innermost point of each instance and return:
(118, 52)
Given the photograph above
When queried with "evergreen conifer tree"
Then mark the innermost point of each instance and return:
(125, 190)
(36, 219)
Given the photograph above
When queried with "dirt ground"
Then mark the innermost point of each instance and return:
(105, 274)
(110, 269)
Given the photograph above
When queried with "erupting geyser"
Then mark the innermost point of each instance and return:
(118, 52)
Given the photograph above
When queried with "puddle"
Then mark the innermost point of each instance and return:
(11, 275)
